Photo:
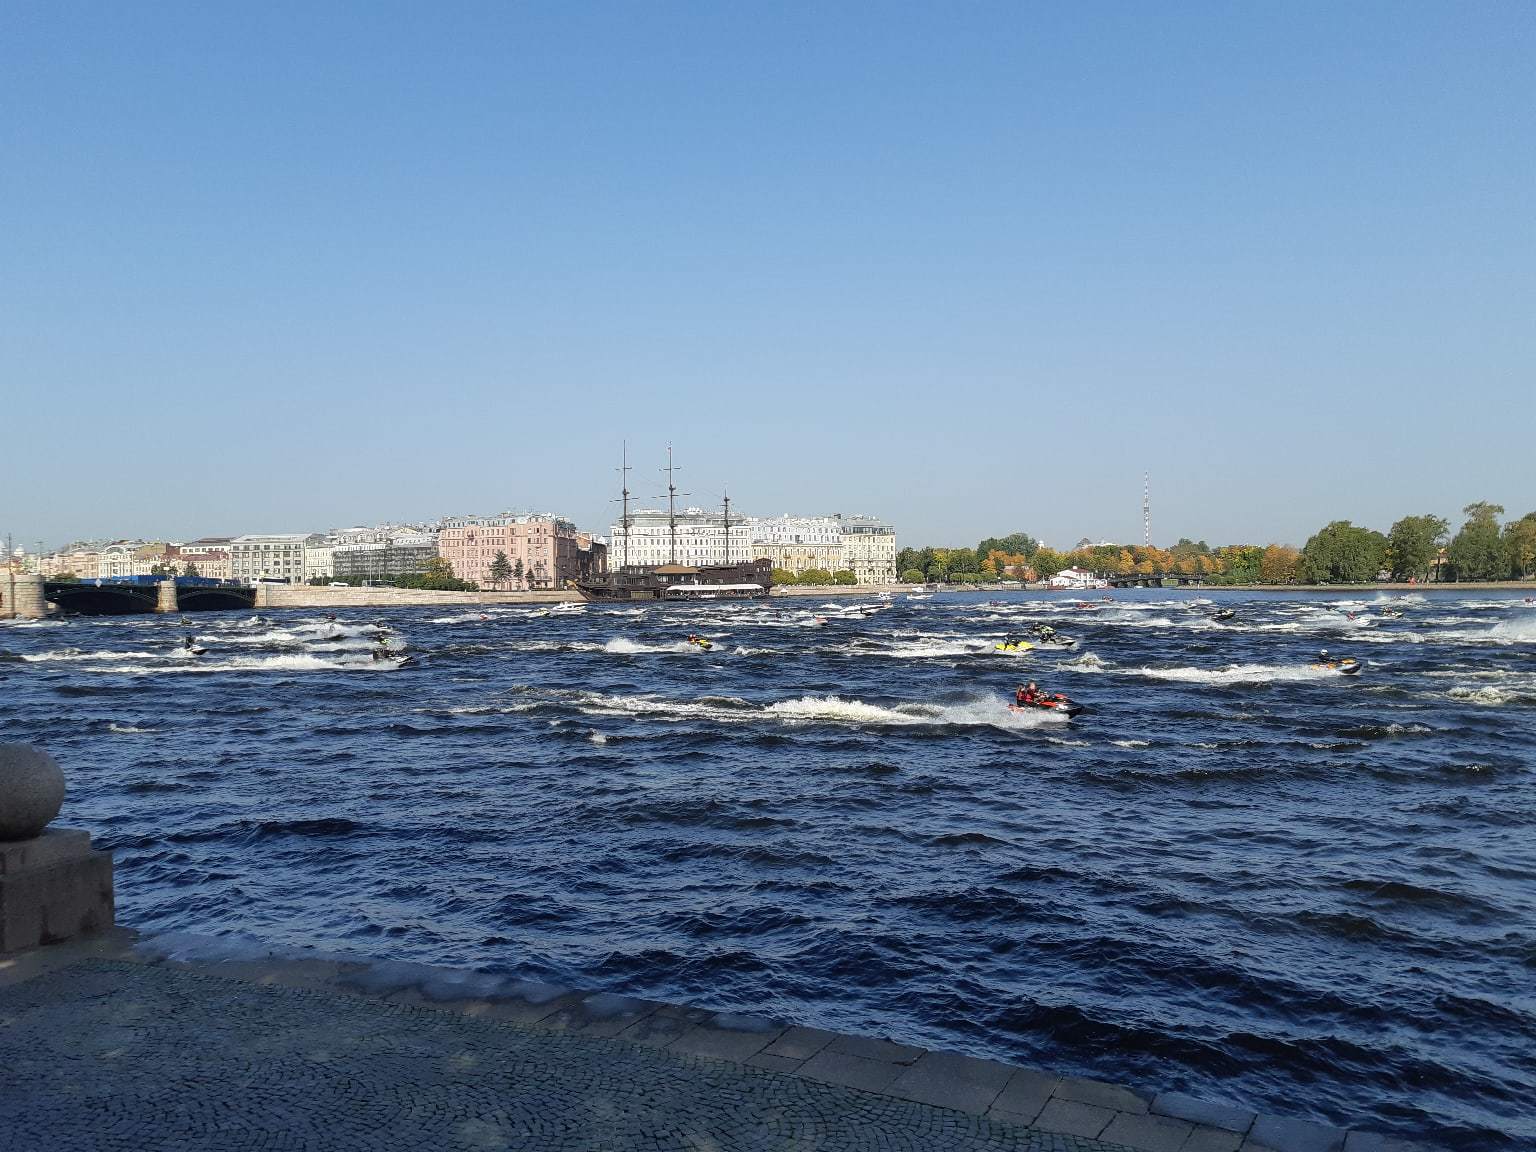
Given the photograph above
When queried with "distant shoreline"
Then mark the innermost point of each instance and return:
(309, 596)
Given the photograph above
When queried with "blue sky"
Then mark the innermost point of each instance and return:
(971, 267)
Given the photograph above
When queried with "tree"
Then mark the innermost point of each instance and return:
(517, 570)
(783, 576)
(844, 576)
(1413, 544)
(814, 576)
(1279, 564)
(1477, 553)
(912, 576)
(1048, 562)
(1341, 553)
(501, 568)
(1520, 546)
(190, 569)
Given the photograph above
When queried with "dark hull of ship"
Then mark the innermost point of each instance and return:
(675, 582)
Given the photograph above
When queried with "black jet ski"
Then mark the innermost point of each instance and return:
(1223, 614)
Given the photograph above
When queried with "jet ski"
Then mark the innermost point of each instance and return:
(1047, 637)
(1390, 613)
(1056, 703)
(701, 642)
(1346, 666)
(1018, 647)
(1223, 614)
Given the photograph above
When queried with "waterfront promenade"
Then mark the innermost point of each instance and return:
(179, 1043)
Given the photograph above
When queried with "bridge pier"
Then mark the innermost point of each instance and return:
(21, 597)
(165, 597)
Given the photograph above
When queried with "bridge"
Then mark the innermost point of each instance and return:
(27, 597)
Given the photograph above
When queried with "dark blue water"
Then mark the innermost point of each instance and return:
(1237, 876)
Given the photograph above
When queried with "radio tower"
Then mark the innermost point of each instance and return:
(1146, 508)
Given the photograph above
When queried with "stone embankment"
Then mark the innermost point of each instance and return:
(111, 1041)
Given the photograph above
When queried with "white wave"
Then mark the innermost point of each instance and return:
(598, 738)
(1087, 662)
(623, 646)
(287, 663)
(127, 729)
(1488, 695)
(70, 654)
(1131, 743)
(1238, 674)
(819, 710)
(461, 618)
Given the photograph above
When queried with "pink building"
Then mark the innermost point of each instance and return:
(543, 552)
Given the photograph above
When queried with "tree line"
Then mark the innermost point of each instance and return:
(1418, 548)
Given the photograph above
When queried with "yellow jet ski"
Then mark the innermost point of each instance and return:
(1017, 647)
(701, 642)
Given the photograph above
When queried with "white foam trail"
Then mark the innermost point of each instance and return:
(623, 646)
(1130, 743)
(127, 729)
(807, 710)
(1238, 674)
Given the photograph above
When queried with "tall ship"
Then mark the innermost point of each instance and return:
(747, 579)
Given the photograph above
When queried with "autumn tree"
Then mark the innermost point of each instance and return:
(1278, 565)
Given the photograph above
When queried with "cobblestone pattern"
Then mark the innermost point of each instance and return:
(108, 1055)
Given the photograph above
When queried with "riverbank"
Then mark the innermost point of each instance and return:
(137, 1042)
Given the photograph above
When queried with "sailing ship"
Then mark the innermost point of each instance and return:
(747, 580)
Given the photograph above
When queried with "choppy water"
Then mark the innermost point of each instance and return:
(1237, 875)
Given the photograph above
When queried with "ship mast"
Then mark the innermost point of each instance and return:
(671, 507)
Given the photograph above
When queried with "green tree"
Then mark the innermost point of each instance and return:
(1520, 546)
(814, 576)
(844, 576)
(912, 576)
(1413, 544)
(1478, 553)
(190, 569)
(1048, 562)
(501, 568)
(1341, 553)
(517, 570)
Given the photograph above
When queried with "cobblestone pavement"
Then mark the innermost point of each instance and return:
(112, 1055)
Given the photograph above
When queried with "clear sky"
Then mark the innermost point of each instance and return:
(972, 267)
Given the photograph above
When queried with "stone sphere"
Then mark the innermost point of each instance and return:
(31, 791)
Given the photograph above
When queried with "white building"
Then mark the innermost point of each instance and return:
(270, 557)
(799, 543)
(701, 539)
(116, 559)
(869, 549)
(1076, 578)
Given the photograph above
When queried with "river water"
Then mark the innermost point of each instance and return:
(1236, 875)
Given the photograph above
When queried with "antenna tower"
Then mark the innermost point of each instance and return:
(1146, 509)
(727, 498)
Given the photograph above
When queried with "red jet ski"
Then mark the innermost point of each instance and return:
(1047, 702)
